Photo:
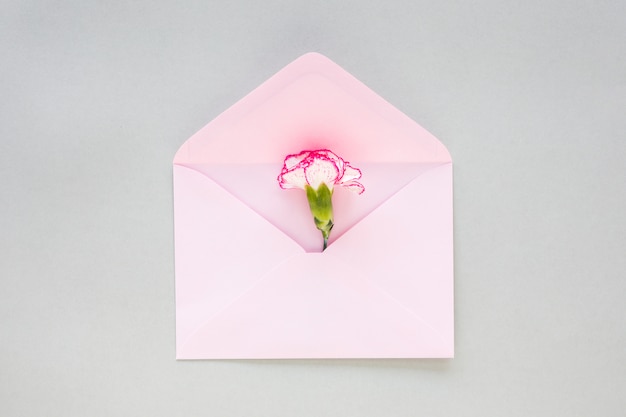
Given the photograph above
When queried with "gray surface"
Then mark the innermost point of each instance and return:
(529, 97)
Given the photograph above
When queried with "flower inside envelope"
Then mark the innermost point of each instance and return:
(244, 246)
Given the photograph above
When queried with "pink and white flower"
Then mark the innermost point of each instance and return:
(317, 173)
(316, 167)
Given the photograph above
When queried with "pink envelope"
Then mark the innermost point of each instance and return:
(251, 281)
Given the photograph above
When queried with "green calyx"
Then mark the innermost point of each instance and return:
(320, 202)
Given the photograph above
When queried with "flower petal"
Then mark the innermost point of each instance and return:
(354, 186)
(292, 179)
(292, 161)
(321, 170)
(350, 173)
(332, 156)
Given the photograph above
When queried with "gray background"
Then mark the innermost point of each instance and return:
(96, 97)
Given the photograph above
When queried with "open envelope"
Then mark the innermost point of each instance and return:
(250, 280)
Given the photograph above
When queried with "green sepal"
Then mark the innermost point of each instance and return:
(321, 205)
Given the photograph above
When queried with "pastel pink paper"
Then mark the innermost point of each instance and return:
(362, 298)
(240, 245)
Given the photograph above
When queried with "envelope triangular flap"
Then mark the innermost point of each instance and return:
(311, 103)
(216, 260)
(330, 316)
(406, 248)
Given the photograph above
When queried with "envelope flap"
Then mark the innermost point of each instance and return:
(417, 235)
(332, 311)
(312, 103)
(201, 233)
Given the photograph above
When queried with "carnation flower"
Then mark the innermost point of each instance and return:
(317, 173)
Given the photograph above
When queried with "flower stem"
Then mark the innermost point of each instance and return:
(325, 235)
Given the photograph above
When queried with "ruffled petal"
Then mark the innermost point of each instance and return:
(332, 156)
(354, 186)
(291, 161)
(350, 173)
(292, 179)
(321, 170)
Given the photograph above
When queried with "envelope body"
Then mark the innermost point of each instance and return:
(251, 282)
